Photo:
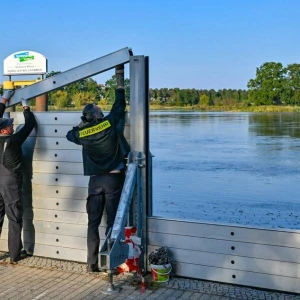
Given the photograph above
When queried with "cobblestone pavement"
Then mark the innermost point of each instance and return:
(40, 278)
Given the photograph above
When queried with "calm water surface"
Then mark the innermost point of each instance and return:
(229, 168)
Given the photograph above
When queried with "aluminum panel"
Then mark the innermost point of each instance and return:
(56, 118)
(53, 143)
(65, 241)
(54, 252)
(59, 192)
(59, 204)
(224, 247)
(61, 180)
(59, 228)
(232, 262)
(53, 131)
(288, 238)
(57, 155)
(280, 283)
(56, 143)
(55, 216)
(49, 167)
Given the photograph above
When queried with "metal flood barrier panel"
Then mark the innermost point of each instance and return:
(55, 220)
(231, 254)
(54, 190)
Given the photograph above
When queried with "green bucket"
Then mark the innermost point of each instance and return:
(161, 273)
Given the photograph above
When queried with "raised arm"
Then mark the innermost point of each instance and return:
(4, 99)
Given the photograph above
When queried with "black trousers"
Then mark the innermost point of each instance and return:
(104, 191)
(11, 205)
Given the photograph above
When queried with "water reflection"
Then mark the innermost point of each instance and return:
(280, 124)
(235, 168)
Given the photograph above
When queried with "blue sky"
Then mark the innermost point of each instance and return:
(202, 44)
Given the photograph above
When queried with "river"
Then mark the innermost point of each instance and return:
(227, 168)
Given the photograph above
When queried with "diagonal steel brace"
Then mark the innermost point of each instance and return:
(86, 70)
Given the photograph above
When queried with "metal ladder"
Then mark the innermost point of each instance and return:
(114, 250)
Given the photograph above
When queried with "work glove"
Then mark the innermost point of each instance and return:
(120, 76)
(24, 102)
(8, 94)
(120, 68)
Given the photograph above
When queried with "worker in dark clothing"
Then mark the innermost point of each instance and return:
(104, 148)
(11, 175)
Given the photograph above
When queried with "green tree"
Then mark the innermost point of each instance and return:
(86, 86)
(178, 97)
(164, 95)
(52, 98)
(152, 94)
(61, 99)
(194, 96)
(293, 75)
(83, 98)
(243, 95)
(204, 100)
(292, 85)
(174, 96)
(110, 87)
(218, 101)
(268, 85)
(212, 96)
(296, 97)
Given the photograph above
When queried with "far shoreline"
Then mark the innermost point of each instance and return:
(255, 109)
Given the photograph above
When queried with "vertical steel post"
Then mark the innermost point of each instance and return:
(137, 103)
(139, 140)
(149, 182)
(41, 102)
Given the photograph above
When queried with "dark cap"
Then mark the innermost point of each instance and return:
(91, 112)
(5, 122)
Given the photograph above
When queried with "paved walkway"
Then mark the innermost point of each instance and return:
(40, 278)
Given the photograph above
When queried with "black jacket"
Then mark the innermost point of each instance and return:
(12, 157)
(103, 144)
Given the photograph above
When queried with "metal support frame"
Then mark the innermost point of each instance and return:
(114, 250)
(139, 141)
(89, 69)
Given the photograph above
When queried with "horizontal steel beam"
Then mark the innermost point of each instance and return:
(86, 70)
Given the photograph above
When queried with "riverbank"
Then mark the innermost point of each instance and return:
(261, 108)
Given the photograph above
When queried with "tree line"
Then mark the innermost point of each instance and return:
(274, 84)
(88, 90)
